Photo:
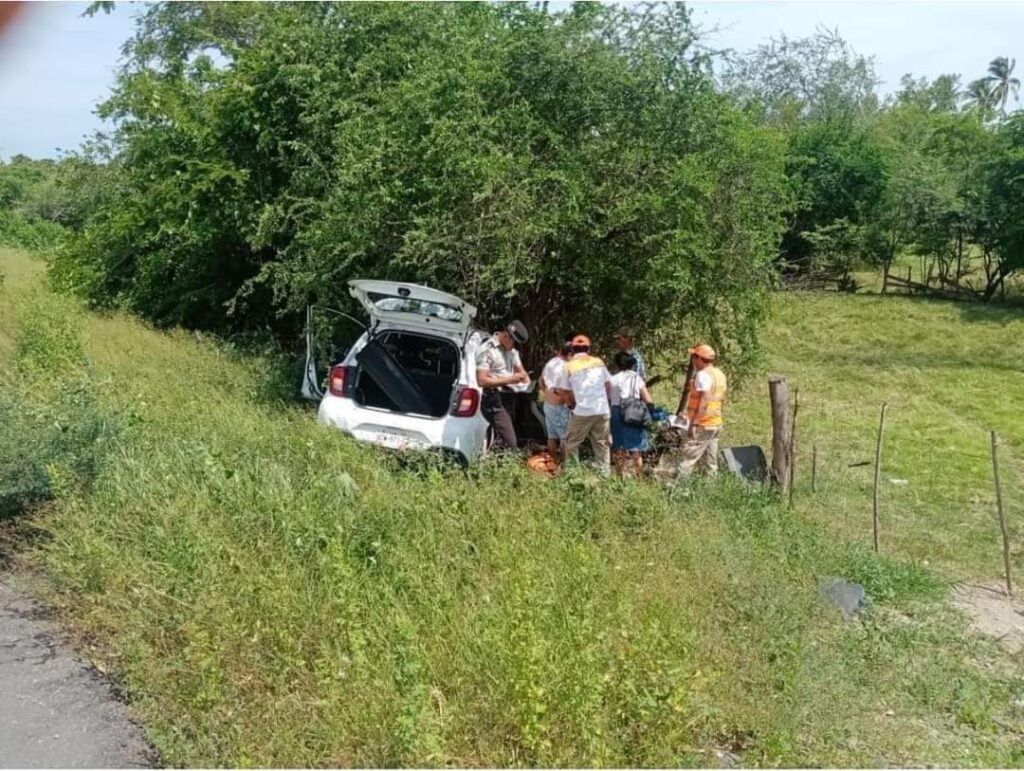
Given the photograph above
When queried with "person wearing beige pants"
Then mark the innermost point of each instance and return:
(586, 385)
(700, 452)
(702, 417)
(597, 428)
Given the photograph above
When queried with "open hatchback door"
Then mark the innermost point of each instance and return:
(411, 306)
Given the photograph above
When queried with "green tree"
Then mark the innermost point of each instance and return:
(30, 203)
(938, 202)
(940, 95)
(789, 80)
(978, 97)
(837, 172)
(819, 95)
(577, 169)
(1002, 84)
(1005, 207)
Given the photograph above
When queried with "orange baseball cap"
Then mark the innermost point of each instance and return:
(706, 352)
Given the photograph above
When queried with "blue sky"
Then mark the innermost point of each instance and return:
(55, 65)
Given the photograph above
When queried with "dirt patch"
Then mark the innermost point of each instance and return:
(992, 613)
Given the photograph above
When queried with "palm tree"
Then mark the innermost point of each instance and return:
(978, 96)
(1001, 81)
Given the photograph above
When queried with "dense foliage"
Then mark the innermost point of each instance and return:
(580, 169)
(574, 169)
(922, 173)
(30, 204)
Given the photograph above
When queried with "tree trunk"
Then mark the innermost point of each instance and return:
(993, 284)
(959, 253)
(986, 262)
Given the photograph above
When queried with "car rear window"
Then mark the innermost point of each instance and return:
(392, 304)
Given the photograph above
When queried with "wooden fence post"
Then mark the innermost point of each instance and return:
(792, 444)
(778, 392)
(1002, 517)
(814, 468)
(878, 474)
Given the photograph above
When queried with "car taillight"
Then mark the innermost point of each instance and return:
(467, 402)
(338, 381)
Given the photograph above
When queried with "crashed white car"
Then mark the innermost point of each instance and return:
(409, 381)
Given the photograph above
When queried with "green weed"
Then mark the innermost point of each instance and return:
(891, 580)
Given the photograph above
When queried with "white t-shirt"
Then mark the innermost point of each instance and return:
(588, 388)
(703, 381)
(626, 384)
(554, 374)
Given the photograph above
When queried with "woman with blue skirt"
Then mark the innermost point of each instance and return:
(628, 442)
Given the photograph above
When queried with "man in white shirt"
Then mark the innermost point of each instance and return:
(498, 367)
(554, 383)
(590, 387)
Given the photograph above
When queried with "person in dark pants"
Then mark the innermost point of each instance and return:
(498, 367)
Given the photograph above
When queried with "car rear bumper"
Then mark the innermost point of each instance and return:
(462, 437)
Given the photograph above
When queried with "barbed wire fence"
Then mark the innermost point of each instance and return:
(784, 461)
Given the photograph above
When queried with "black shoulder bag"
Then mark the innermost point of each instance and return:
(635, 412)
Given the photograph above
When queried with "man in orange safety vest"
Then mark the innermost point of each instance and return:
(702, 416)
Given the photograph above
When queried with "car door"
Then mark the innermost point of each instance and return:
(324, 328)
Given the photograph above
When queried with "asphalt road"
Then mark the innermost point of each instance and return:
(55, 711)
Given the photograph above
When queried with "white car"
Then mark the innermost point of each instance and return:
(409, 381)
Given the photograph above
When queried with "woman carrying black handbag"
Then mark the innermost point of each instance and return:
(630, 403)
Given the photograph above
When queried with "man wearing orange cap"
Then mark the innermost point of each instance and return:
(703, 418)
(590, 388)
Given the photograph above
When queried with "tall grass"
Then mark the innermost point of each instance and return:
(271, 593)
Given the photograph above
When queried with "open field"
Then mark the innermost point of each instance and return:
(950, 373)
(270, 593)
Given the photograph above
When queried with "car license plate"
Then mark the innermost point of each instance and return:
(391, 441)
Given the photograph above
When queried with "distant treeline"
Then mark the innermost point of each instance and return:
(577, 169)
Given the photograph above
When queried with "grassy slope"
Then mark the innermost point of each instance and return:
(271, 593)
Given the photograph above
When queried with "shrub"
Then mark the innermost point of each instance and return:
(33, 234)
